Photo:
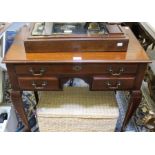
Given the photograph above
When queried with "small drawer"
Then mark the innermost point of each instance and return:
(29, 83)
(33, 70)
(117, 70)
(106, 83)
(76, 68)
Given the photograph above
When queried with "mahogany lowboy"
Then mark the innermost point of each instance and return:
(110, 71)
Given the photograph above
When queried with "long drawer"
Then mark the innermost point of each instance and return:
(92, 68)
(48, 83)
(106, 83)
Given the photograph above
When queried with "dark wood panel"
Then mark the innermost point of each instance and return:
(42, 46)
(140, 76)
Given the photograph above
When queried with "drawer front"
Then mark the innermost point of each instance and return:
(106, 83)
(28, 83)
(95, 68)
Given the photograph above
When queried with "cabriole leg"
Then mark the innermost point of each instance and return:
(135, 99)
(16, 97)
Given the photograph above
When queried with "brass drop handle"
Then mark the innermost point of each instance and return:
(39, 87)
(114, 87)
(41, 71)
(77, 68)
(121, 70)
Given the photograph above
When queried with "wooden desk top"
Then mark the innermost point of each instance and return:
(17, 54)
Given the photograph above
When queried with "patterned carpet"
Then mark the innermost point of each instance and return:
(30, 107)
